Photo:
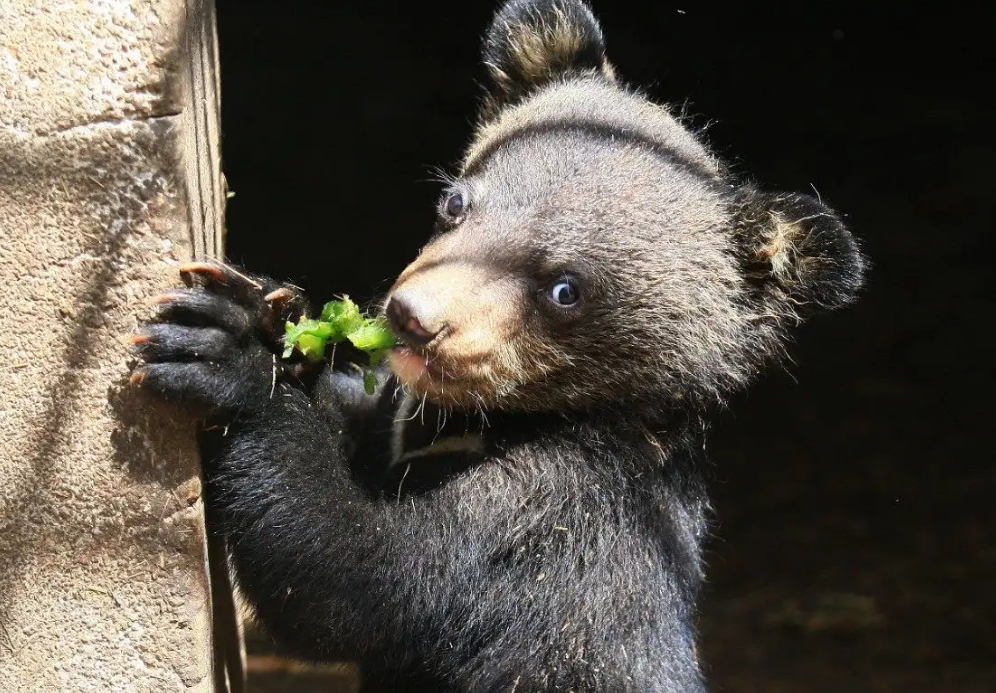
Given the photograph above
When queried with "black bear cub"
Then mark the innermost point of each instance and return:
(520, 507)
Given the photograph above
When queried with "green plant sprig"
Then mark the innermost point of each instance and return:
(340, 321)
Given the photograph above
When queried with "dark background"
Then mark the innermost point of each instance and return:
(856, 547)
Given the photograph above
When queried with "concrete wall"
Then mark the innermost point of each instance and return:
(109, 176)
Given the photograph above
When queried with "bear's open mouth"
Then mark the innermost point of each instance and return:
(440, 380)
(413, 365)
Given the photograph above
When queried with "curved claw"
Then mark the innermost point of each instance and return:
(215, 272)
(162, 298)
(209, 270)
(281, 295)
(283, 304)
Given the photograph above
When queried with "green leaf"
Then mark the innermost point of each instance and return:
(309, 336)
(377, 356)
(288, 342)
(312, 347)
(369, 381)
(315, 328)
(339, 320)
(344, 315)
(372, 335)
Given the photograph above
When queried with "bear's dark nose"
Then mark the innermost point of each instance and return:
(403, 316)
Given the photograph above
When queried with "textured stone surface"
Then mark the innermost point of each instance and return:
(108, 179)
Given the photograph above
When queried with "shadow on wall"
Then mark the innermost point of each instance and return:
(83, 338)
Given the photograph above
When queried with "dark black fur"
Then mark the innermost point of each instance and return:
(564, 553)
(828, 267)
(590, 55)
(512, 79)
(453, 574)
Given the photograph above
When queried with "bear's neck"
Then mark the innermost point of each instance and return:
(421, 429)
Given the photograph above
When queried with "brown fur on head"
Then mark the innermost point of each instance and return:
(684, 280)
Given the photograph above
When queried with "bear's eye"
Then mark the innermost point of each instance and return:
(564, 293)
(455, 205)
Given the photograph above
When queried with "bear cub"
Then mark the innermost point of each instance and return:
(520, 506)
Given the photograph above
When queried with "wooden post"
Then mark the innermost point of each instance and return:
(109, 177)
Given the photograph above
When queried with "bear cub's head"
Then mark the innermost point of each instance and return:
(593, 253)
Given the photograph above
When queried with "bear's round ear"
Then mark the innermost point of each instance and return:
(797, 254)
(532, 42)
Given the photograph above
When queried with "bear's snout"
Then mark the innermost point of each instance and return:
(407, 314)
